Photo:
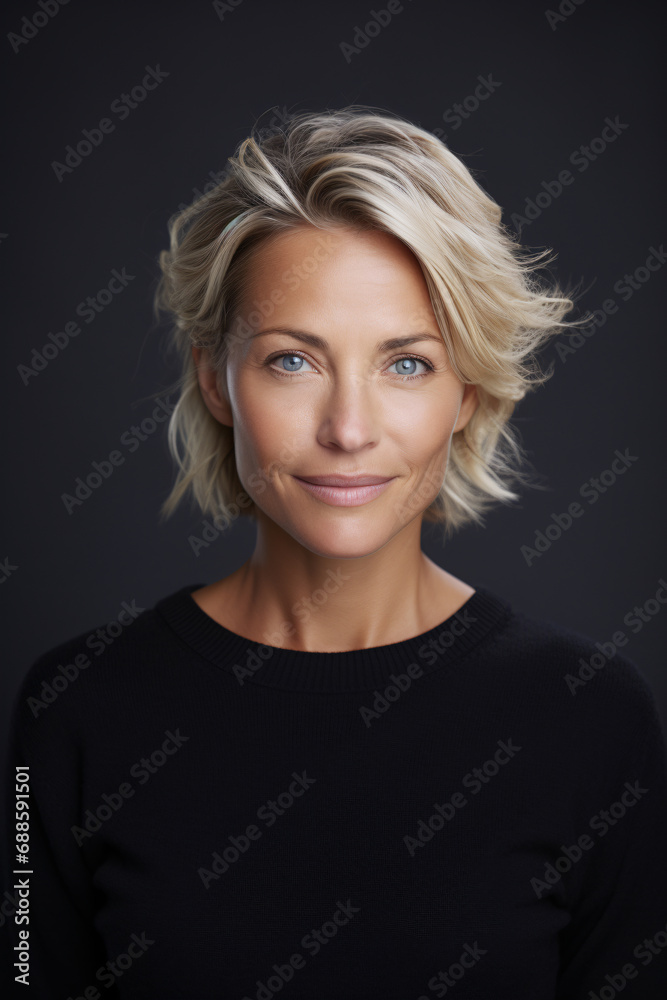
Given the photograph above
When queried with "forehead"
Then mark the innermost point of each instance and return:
(334, 243)
(329, 269)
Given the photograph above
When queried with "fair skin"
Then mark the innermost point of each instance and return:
(344, 406)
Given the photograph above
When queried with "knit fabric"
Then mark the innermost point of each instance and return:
(479, 811)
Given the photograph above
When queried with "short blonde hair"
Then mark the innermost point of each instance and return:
(363, 168)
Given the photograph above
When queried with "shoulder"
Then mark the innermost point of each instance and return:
(115, 655)
(592, 685)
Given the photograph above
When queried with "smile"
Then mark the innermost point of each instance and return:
(345, 496)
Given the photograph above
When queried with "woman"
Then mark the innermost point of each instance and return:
(341, 771)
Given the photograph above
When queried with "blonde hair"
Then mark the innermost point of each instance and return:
(366, 169)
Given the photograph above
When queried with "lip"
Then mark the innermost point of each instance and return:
(346, 481)
(345, 491)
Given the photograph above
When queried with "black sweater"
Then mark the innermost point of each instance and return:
(476, 812)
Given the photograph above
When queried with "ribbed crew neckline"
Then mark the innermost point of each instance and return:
(350, 670)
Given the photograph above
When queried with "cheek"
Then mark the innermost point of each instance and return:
(270, 435)
(266, 432)
(425, 421)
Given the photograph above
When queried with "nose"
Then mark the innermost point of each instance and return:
(349, 415)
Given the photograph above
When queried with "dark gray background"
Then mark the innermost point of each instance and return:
(60, 241)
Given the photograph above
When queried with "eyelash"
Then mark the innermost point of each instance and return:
(298, 354)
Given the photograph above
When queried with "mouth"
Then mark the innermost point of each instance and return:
(345, 491)
(346, 481)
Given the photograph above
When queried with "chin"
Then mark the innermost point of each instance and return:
(341, 541)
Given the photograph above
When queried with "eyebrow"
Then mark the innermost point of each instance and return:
(313, 340)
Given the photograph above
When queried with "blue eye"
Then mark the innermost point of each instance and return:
(404, 366)
(294, 360)
(294, 365)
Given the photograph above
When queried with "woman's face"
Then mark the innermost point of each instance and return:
(334, 397)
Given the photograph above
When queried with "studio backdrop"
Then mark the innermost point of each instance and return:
(117, 114)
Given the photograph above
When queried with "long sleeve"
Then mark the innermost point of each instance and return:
(618, 933)
(64, 949)
(363, 824)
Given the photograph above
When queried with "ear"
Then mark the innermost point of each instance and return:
(469, 404)
(209, 384)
